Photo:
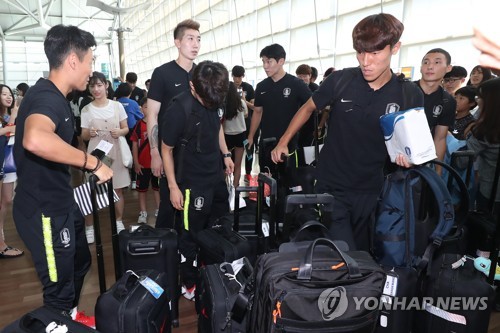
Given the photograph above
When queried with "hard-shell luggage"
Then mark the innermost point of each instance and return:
(217, 293)
(317, 289)
(456, 298)
(37, 321)
(129, 307)
(153, 248)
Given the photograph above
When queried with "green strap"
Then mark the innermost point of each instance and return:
(187, 196)
(49, 248)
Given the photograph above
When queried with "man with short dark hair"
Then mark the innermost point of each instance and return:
(147, 83)
(45, 212)
(351, 163)
(454, 79)
(137, 93)
(439, 105)
(167, 81)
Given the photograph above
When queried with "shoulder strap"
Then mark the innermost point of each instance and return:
(191, 126)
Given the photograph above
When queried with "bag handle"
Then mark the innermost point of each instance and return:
(306, 226)
(324, 199)
(305, 268)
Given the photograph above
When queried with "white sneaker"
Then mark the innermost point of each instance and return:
(119, 226)
(89, 233)
(156, 213)
(189, 294)
(133, 185)
(143, 217)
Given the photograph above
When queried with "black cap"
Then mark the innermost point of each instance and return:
(456, 71)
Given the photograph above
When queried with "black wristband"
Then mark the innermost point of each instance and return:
(227, 155)
(98, 165)
(84, 167)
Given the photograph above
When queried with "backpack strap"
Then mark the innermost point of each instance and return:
(192, 125)
(446, 214)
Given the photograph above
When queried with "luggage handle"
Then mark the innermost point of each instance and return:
(306, 226)
(309, 199)
(305, 268)
(144, 248)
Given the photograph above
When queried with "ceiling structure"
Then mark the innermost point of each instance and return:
(29, 20)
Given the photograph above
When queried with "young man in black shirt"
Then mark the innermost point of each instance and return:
(352, 160)
(45, 212)
(137, 93)
(194, 173)
(277, 99)
(439, 105)
(167, 81)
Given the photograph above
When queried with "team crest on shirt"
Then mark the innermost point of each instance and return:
(220, 112)
(437, 110)
(199, 202)
(391, 108)
(287, 92)
(65, 237)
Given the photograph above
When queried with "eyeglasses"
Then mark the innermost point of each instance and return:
(451, 80)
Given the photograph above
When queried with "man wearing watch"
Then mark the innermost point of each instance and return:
(192, 142)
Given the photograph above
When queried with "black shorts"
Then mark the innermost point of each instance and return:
(143, 181)
(234, 141)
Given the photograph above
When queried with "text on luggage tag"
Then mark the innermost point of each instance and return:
(391, 285)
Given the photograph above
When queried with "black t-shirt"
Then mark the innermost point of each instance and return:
(42, 184)
(440, 108)
(354, 153)
(280, 101)
(201, 167)
(307, 130)
(249, 94)
(137, 94)
(167, 81)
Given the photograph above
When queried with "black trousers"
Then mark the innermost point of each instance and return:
(166, 212)
(60, 253)
(202, 207)
(352, 217)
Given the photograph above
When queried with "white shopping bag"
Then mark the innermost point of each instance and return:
(231, 190)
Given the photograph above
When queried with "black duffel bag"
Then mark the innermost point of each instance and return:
(316, 289)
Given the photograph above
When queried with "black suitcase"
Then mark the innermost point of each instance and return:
(315, 290)
(457, 298)
(302, 208)
(108, 312)
(153, 248)
(400, 284)
(129, 307)
(216, 295)
(36, 321)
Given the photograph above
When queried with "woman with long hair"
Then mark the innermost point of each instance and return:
(485, 141)
(105, 119)
(234, 128)
(478, 75)
(8, 113)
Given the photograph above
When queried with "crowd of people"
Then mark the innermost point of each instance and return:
(192, 125)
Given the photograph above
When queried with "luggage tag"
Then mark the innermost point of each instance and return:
(265, 228)
(151, 286)
(391, 284)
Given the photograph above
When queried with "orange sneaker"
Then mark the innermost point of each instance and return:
(82, 318)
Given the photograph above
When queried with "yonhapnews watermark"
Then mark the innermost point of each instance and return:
(333, 303)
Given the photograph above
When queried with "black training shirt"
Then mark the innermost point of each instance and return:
(354, 153)
(42, 184)
(200, 169)
(280, 101)
(440, 108)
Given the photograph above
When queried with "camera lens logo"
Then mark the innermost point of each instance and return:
(333, 303)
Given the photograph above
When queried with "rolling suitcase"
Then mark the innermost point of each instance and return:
(151, 310)
(217, 294)
(153, 248)
(44, 320)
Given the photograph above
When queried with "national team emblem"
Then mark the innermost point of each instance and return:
(220, 112)
(437, 110)
(198, 203)
(287, 92)
(65, 236)
(391, 108)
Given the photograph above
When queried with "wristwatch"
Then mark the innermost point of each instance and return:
(227, 155)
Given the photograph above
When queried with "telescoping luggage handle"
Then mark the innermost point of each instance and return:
(305, 268)
(324, 199)
(271, 182)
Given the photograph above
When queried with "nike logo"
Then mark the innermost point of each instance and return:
(263, 92)
(346, 100)
(177, 84)
(66, 119)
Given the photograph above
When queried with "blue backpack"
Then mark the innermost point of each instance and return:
(411, 221)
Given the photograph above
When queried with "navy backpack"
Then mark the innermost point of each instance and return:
(414, 216)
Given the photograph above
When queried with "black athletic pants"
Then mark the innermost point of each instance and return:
(60, 253)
